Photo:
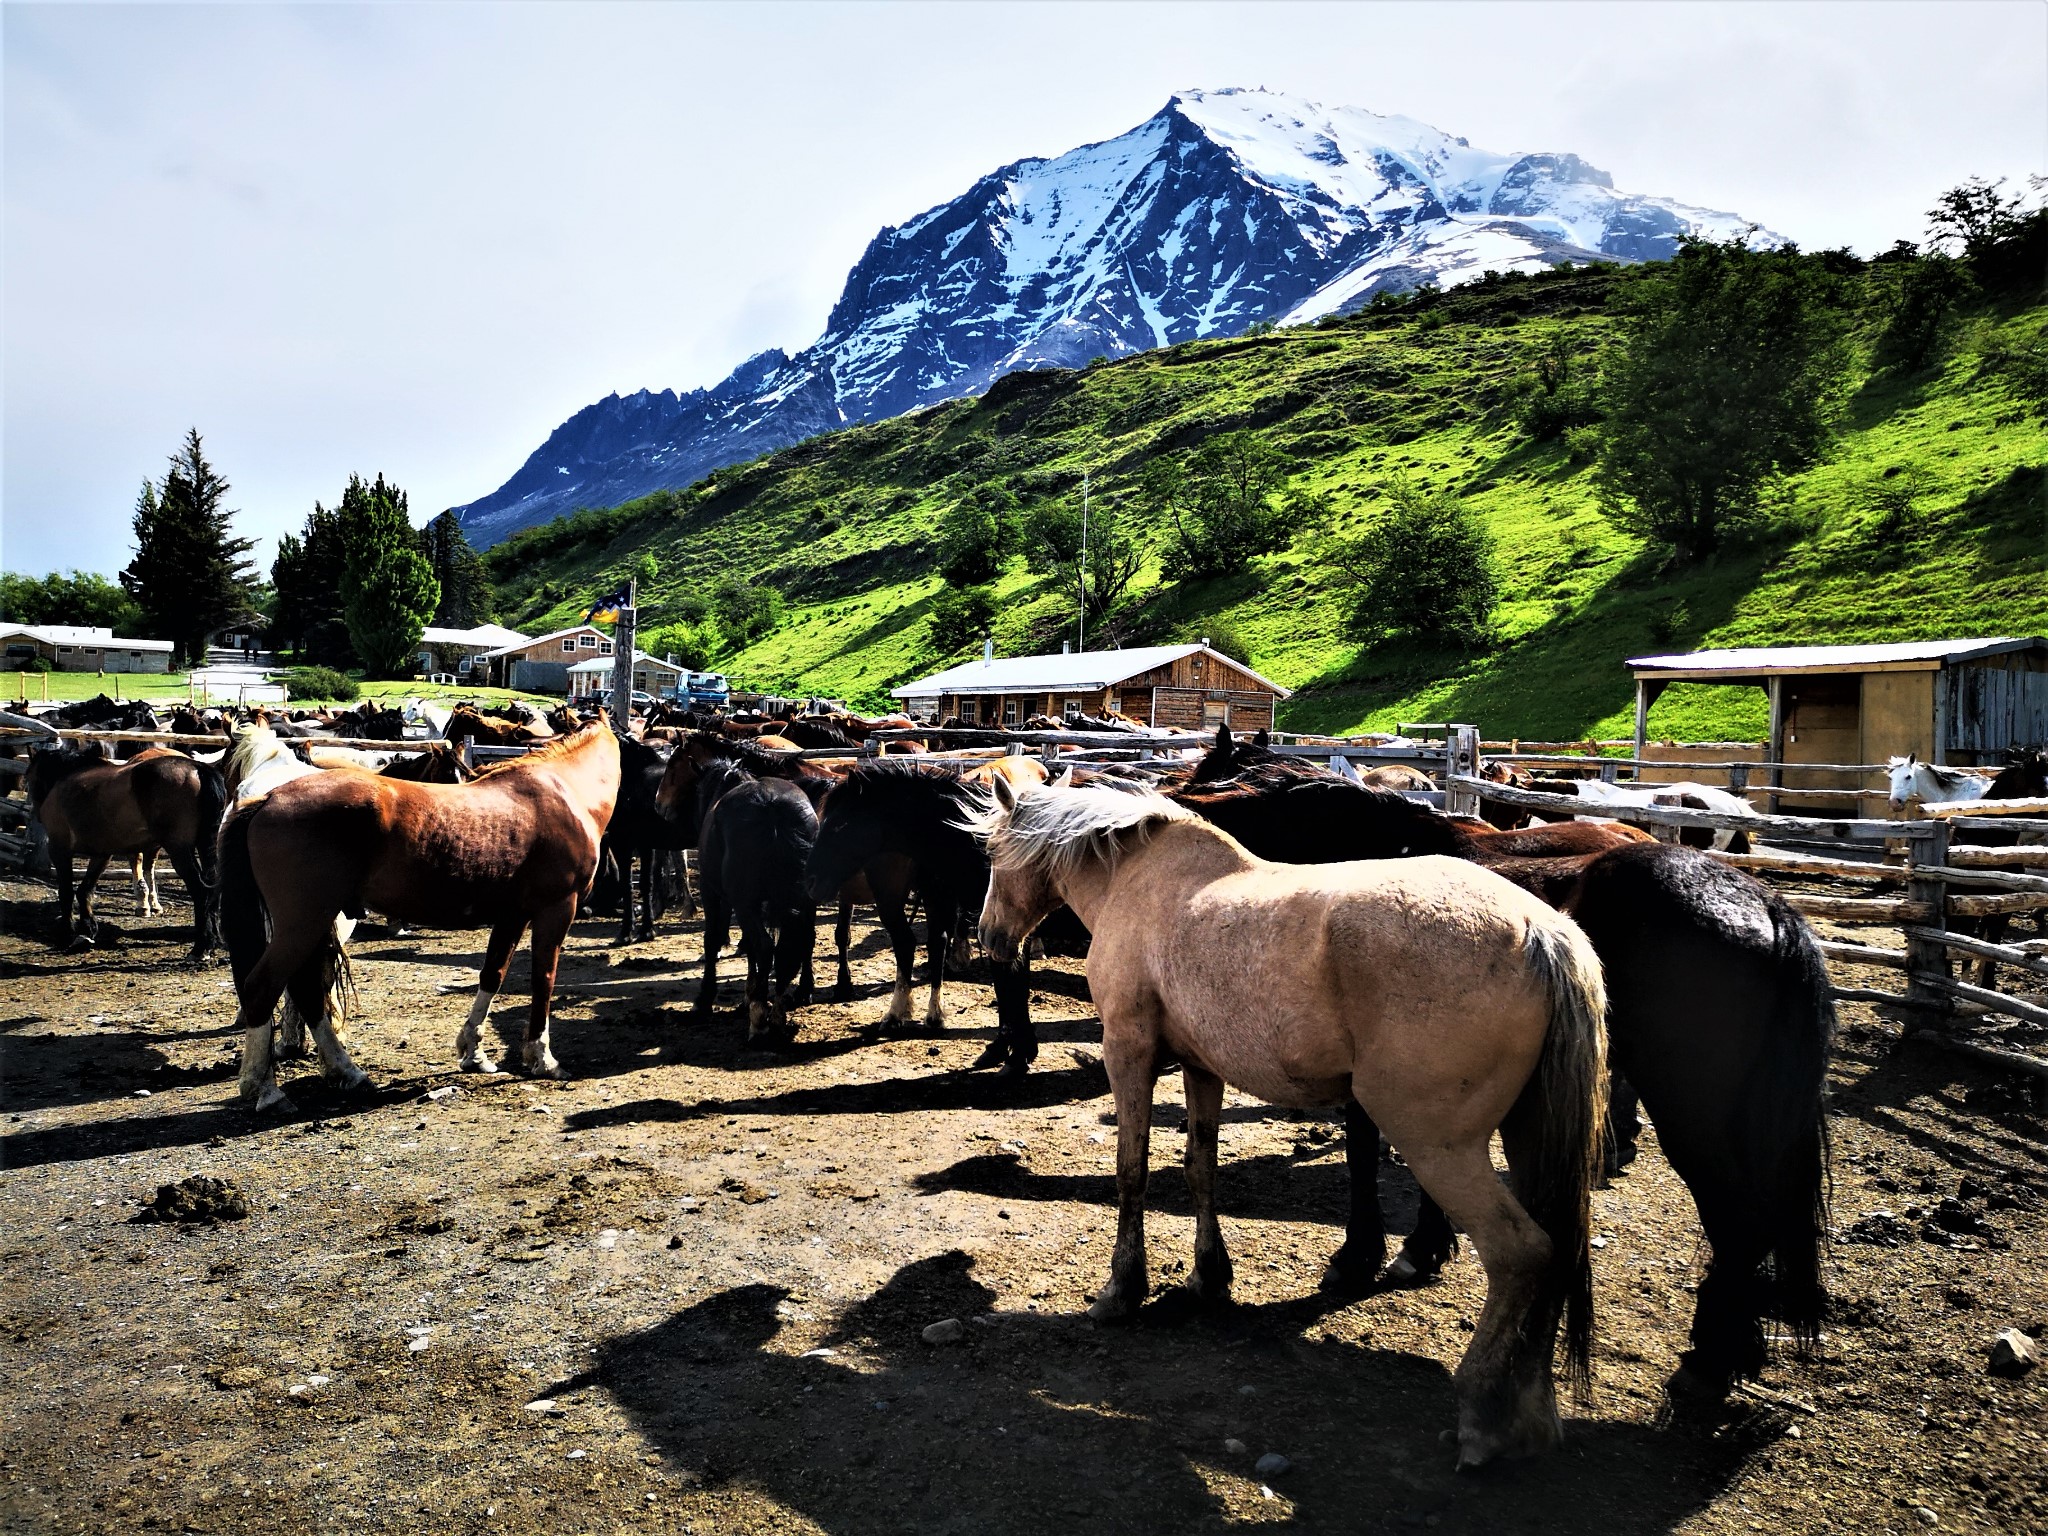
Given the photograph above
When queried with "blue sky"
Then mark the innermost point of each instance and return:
(413, 239)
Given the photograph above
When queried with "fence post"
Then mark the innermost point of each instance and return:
(1610, 771)
(1738, 780)
(1925, 958)
(1461, 757)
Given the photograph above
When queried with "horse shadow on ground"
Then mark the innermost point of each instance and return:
(1940, 1104)
(1040, 1422)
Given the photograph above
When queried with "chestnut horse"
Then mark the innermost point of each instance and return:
(101, 809)
(1444, 1000)
(517, 845)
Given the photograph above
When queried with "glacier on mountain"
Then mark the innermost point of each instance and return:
(1226, 208)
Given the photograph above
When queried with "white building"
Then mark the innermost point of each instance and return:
(80, 648)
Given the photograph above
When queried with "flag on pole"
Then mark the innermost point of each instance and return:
(608, 606)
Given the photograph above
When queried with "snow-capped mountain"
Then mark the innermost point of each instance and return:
(1226, 208)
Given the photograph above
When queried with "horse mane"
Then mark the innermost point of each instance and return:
(254, 745)
(1054, 831)
(544, 751)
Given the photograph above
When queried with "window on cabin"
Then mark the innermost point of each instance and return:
(604, 648)
(569, 645)
(1114, 703)
(1070, 708)
(587, 642)
(1009, 711)
(968, 711)
(1215, 712)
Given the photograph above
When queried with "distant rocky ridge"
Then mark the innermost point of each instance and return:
(1225, 209)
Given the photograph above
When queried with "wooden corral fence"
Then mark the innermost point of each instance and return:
(1909, 875)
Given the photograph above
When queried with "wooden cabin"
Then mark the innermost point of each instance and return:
(542, 665)
(1159, 685)
(1960, 702)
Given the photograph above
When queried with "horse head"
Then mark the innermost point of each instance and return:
(1901, 771)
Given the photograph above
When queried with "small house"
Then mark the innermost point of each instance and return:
(1958, 702)
(542, 665)
(651, 675)
(79, 648)
(1157, 685)
(456, 651)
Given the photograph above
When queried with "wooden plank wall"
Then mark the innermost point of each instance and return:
(1995, 705)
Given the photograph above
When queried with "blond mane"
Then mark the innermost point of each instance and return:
(1053, 830)
(544, 751)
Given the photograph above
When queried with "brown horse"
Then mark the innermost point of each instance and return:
(467, 723)
(517, 845)
(101, 809)
(1444, 1000)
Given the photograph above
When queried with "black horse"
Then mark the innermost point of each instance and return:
(889, 815)
(2024, 777)
(1718, 1013)
(755, 840)
(639, 831)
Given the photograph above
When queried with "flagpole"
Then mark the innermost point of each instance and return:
(622, 658)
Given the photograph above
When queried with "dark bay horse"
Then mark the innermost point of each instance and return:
(100, 809)
(753, 842)
(1442, 999)
(640, 832)
(903, 823)
(1719, 1017)
(517, 845)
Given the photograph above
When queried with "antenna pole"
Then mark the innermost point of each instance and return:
(1081, 572)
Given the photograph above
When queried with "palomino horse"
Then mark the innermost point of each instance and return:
(1446, 1001)
(157, 799)
(515, 846)
(1718, 1014)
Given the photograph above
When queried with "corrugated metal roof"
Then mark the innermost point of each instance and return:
(1795, 658)
(603, 664)
(82, 634)
(553, 634)
(1067, 672)
(482, 634)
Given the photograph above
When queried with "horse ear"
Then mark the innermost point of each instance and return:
(1006, 793)
(1222, 738)
(1263, 739)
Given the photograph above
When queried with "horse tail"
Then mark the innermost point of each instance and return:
(244, 921)
(213, 807)
(1787, 1089)
(1566, 1109)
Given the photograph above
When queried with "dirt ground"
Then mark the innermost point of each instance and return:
(686, 1291)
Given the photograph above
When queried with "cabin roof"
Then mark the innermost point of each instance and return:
(81, 634)
(1775, 660)
(602, 664)
(496, 635)
(1067, 672)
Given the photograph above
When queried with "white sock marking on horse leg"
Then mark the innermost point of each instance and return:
(899, 1002)
(334, 1054)
(258, 1081)
(540, 1055)
(934, 1015)
(468, 1043)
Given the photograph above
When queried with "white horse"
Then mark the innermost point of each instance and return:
(1911, 778)
(258, 763)
(1685, 793)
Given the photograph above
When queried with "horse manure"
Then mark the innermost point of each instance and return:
(200, 1198)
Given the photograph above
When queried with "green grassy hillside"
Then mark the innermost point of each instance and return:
(845, 524)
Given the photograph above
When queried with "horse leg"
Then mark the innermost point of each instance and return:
(1993, 932)
(470, 1055)
(285, 955)
(842, 988)
(88, 924)
(1355, 1267)
(1210, 1280)
(1015, 1046)
(1727, 1341)
(1133, 1069)
(312, 992)
(156, 901)
(550, 928)
(793, 958)
(715, 920)
(1624, 1125)
(760, 975)
(940, 915)
(1494, 1417)
(205, 911)
(903, 940)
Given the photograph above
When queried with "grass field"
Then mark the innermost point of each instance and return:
(845, 524)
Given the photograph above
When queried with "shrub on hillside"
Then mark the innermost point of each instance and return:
(1225, 504)
(961, 616)
(1424, 568)
(321, 685)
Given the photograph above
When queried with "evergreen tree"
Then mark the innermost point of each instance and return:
(307, 575)
(1726, 376)
(189, 577)
(465, 585)
(388, 591)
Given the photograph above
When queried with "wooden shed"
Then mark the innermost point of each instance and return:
(1960, 702)
(1160, 685)
(541, 665)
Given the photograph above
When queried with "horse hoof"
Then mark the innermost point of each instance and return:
(479, 1064)
(994, 1054)
(79, 944)
(1349, 1276)
(272, 1100)
(1113, 1307)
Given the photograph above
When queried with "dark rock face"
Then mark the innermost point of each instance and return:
(1225, 209)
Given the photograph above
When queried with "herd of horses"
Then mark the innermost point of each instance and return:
(1247, 918)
